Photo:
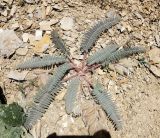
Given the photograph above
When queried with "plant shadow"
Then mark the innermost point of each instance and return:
(3, 99)
(98, 134)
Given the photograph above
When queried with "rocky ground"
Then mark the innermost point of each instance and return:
(25, 27)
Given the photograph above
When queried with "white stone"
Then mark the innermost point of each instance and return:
(25, 37)
(38, 35)
(9, 42)
(67, 23)
(17, 75)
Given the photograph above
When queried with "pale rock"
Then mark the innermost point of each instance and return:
(8, 1)
(31, 39)
(13, 10)
(60, 96)
(20, 76)
(30, 1)
(15, 26)
(9, 42)
(25, 37)
(100, 71)
(155, 70)
(154, 55)
(21, 51)
(122, 70)
(121, 28)
(57, 7)
(54, 21)
(42, 45)
(38, 35)
(31, 9)
(1, 30)
(46, 25)
(27, 24)
(48, 10)
(4, 13)
(157, 38)
(67, 23)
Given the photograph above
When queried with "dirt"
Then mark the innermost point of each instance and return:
(136, 95)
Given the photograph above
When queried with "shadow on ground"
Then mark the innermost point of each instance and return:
(98, 134)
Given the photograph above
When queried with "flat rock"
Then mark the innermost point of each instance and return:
(42, 45)
(122, 70)
(46, 25)
(21, 51)
(9, 42)
(155, 70)
(67, 23)
(154, 55)
(17, 75)
(38, 34)
(25, 37)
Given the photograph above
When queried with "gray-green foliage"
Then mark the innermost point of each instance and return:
(122, 53)
(46, 95)
(39, 62)
(71, 94)
(92, 34)
(102, 54)
(103, 57)
(56, 39)
(104, 99)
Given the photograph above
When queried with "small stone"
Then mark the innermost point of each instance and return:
(30, 1)
(15, 26)
(155, 70)
(31, 39)
(17, 75)
(67, 23)
(9, 42)
(122, 70)
(38, 35)
(157, 38)
(45, 25)
(25, 37)
(13, 10)
(21, 51)
(48, 10)
(60, 96)
(154, 55)
(57, 7)
(4, 13)
(121, 28)
(42, 45)
(27, 24)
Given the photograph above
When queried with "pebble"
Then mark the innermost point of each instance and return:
(155, 70)
(9, 42)
(122, 70)
(57, 7)
(21, 51)
(15, 26)
(46, 25)
(38, 35)
(25, 37)
(42, 45)
(67, 23)
(154, 55)
(17, 75)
